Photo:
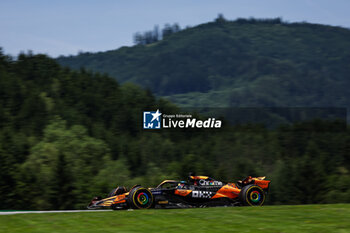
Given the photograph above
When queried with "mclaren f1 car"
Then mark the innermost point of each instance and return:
(198, 191)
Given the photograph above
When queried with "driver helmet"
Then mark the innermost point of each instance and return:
(181, 185)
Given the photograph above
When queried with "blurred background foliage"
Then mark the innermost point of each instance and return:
(66, 136)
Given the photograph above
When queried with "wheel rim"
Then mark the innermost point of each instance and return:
(255, 196)
(142, 198)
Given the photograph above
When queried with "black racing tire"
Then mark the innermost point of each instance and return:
(140, 198)
(252, 195)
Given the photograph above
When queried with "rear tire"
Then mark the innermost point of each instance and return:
(140, 198)
(252, 195)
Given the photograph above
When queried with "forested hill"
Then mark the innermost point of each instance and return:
(66, 136)
(246, 62)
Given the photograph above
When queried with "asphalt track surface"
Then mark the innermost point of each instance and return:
(48, 212)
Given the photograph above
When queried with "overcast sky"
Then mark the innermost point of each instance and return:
(67, 26)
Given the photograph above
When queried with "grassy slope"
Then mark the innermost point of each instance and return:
(302, 218)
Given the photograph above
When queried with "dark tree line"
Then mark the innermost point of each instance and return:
(156, 34)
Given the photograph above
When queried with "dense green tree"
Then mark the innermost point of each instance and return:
(60, 166)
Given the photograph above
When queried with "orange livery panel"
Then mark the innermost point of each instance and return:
(183, 193)
(120, 198)
(229, 191)
(264, 184)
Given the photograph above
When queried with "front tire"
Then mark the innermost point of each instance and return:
(140, 198)
(252, 195)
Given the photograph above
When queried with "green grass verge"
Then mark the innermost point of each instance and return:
(301, 218)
